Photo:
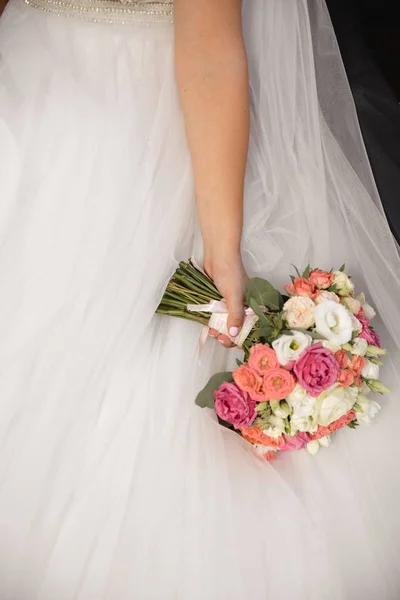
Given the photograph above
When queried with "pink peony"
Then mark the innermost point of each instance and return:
(368, 334)
(295, 442)
(316, 370)
(234, 406)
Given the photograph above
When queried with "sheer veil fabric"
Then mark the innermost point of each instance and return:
(113, 485)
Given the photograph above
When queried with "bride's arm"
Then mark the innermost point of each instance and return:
(211, 68)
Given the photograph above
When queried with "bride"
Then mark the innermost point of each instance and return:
(114, 117)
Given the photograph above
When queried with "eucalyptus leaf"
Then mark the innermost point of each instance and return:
(205, 398)
(264, 294)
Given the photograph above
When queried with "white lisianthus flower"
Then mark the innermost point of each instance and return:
(325, 295)
(301, 402)
(357, 327)
(328, 345)
(333, 321)
(334, 403)
(370, 371)
(359, 347)
(299, 312)
(289, 347)
(366, 410)
(313, 447)
(343, 283)
(325, 442)
(368, 310)
(275, 427)
(280, 408)
(299, 423)
(352, 304)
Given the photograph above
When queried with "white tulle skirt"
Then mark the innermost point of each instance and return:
(113, 485)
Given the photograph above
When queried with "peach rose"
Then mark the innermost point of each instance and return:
(278, 383)
(357, 364)
(303, 287)
(290, 289)
(249, 381)
(342, 359)
(325, 295)
(321, 279)
(262, 358)
(254, 435)
(345, 377)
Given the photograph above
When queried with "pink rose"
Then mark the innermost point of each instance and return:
(321, 279)
(316, 370)
(295, 442)
(368, 334)
(303, 287)
(234, 406)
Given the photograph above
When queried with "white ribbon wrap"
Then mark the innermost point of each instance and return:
(219, 320)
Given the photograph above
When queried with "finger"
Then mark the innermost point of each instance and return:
(213, 333)
(236, 315)
(225, 341)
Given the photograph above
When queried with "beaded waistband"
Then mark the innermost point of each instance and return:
(109, 11)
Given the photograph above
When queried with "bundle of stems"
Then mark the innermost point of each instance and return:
(188, 286)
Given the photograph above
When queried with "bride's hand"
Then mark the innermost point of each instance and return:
(230, 278)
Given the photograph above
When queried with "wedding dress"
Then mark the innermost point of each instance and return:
(113, 484)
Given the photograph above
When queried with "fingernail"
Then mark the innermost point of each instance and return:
(234, 331)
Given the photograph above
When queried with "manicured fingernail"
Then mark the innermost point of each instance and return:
(234, 331)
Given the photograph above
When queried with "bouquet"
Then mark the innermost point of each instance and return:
(311, 358)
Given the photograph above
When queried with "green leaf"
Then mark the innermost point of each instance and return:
(292, 278)
(239, 362)
(255, 307)
(342, 268)
(353, 424)
(307, 272)
(264, 294)
(297, 271)
(376, 361)
(205, 398)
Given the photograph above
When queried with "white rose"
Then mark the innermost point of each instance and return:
(289, 347)
(366, 410)
(333, 321)
(359, 347)
(301, 402)
(312, 448)
(343, 283)
(299, 312)
(299, 423)
(325, 442)
(325, 295)
(370, 371)
(334, 404)
(352, 304)
(357, 327)
(275, 427)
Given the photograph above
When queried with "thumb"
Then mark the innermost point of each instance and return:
(235, 314)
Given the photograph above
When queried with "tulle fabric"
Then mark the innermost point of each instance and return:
(113, 485)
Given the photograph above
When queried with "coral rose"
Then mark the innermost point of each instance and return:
(345, 378)
(321, 279)
(303, 287)
(254, 435)
(357, 364)
(248, 381)
(234, 406)
(342, 359)
(316, 370)
(342, 422)
(278, 383)
(262, 358)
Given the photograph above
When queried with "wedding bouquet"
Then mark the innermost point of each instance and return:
(311, 358)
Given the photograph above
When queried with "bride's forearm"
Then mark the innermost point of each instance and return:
(212, 76)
